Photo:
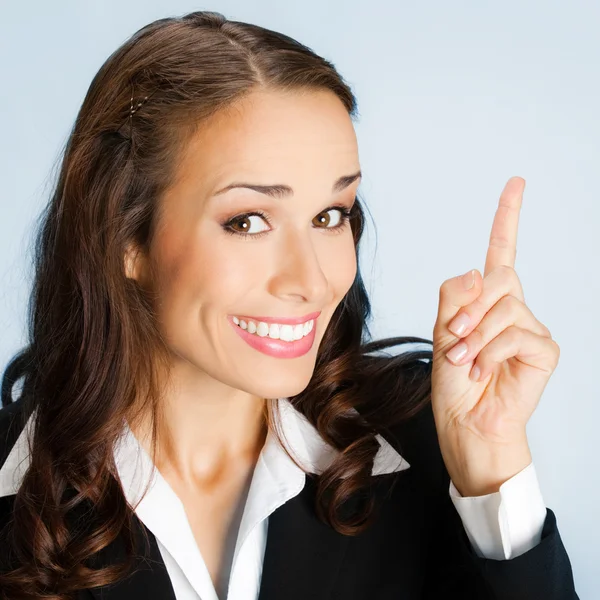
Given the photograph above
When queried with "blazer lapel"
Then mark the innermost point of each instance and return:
(302, 554)
(148, 577)
(302, 558)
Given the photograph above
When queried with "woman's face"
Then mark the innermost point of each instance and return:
(217, 266)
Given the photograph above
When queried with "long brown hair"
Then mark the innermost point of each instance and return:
(94, 345)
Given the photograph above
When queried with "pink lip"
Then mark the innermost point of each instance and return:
(282, 320)
(277, 348)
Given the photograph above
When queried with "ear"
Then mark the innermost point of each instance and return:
(135, 263)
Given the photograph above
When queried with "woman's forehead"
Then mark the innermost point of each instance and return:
(275, 134)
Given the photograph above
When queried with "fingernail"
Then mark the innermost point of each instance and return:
(468, 279)
(458, 352)
(459, 324)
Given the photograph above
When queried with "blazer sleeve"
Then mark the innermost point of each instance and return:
(454, 569)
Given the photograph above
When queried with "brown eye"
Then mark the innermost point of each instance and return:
(243, 224)
(324, 219)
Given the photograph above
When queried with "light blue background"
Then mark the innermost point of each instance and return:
(454, 98)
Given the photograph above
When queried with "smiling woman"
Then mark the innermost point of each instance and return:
(203, 413)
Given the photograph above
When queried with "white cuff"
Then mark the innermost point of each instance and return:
(507, 523)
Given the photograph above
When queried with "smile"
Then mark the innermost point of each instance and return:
(276, 331)
(287, 338)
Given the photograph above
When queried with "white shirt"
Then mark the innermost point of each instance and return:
(501, 525)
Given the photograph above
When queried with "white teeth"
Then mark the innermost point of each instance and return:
(262, 329)
(286, 333)
(276, 331)
(298, 332)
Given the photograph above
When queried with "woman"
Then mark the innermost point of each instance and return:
(205, 416)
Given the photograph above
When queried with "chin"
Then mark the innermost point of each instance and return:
(283, 387)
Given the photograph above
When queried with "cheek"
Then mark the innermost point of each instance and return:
(228, 272)
(208, 273)
(340, 266)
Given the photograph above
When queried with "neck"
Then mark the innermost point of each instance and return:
(204, 432)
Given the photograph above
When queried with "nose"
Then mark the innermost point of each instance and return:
(299, 273)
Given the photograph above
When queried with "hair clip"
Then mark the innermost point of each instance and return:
(132, 110)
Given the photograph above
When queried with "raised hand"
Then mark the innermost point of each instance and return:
(483, 393)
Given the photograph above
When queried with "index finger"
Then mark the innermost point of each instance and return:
(502, 249)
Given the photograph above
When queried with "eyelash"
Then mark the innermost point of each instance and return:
(346, 215)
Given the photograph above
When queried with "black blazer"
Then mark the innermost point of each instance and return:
(417, 548)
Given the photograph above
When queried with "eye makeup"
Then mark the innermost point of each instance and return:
(345, 216)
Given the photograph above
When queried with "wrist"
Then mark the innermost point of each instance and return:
(482, 468)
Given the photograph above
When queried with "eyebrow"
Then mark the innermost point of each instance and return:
(281, 190)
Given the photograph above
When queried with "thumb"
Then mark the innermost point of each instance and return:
(455, 293)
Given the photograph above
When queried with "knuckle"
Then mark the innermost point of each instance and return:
(447, 284)
(509, 308)
(509, 275)
(511, 304)
(444, 288)
(515, 334)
